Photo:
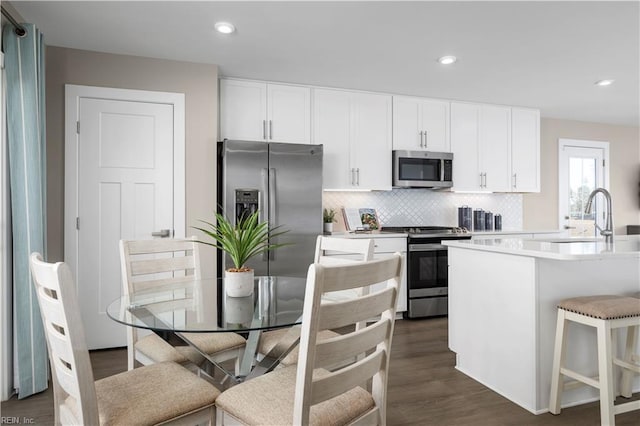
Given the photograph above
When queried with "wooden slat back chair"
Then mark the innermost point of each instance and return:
(159, 262)
(148, 395)
(309, 394)
(358, 249)
(342, 251)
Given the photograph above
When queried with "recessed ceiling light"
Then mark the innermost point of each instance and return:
(604, 82)
(447, 60)
(224, 27)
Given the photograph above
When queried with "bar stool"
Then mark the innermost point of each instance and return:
(606, 314)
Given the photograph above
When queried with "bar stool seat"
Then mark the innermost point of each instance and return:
(606, 313)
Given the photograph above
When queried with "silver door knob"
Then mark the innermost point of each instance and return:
(163, 233)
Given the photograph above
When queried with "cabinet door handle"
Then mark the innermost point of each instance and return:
(421, 139)
(426, 140)
(515, 180)
(353, 177)
(358, 176)
(270, 129)
(485, 179)
(264, 129)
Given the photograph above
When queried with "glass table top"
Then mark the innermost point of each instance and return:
(190, 306)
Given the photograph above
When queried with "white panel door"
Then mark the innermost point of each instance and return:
(581, 169)
(243, 110)
(495, 146)
(125, 191)
(289, 113)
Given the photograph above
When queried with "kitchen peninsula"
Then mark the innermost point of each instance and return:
(502, 309)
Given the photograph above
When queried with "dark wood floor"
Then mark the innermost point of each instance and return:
(424, 388)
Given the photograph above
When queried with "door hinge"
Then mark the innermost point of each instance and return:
(77, 223)
(77, 127)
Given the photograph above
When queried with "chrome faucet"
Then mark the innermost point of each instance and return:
(607, 232)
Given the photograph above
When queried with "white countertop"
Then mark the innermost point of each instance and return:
(372, 234)
(517, 232)
(556, 248)
(378, 234)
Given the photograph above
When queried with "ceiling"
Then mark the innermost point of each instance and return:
(545, 55)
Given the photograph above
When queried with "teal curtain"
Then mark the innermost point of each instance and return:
(24, 70)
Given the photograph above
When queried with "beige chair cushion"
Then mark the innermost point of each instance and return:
(269, 339)
(153, 347)
(150, 395)
(216, 342)
(268, 400)
(604, 307)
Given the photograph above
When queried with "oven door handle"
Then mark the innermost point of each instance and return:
(426, 247)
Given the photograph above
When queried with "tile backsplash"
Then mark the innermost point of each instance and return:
(414, 207)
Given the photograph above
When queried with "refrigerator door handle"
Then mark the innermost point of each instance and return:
(273, 202)
(263, 204)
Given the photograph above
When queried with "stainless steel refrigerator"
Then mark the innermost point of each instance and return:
(284, 183)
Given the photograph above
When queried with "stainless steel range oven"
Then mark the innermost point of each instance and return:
(427, 269)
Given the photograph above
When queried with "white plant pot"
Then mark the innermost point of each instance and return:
(238, 310)
(238, 284)
(328, 228)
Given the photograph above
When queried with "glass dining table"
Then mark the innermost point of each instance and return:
(190, 305)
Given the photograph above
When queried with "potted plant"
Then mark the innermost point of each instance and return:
(328, 218)
(248, 238)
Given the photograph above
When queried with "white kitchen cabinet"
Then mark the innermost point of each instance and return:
(525, 150)
(420, 124)
(385, 247)
(494, 147)
(480, 142)
(355, 130)
(259, 111)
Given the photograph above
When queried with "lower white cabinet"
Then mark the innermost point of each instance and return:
(384, 247)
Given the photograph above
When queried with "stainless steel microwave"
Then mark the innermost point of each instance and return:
(422, 169)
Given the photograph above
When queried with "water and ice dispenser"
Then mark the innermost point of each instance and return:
(246, 203)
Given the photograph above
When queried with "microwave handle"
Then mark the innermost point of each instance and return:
(442, 170)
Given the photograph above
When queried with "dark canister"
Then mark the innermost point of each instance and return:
(478, 220)
(465, 217)
(488, 221)
(497, 219)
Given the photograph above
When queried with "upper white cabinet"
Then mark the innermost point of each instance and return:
(525, 150)
(480, 142)
(495, 148)
(259, 111)
(355, 129)
(420, 124)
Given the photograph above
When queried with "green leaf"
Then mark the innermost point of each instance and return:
(247, 238)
